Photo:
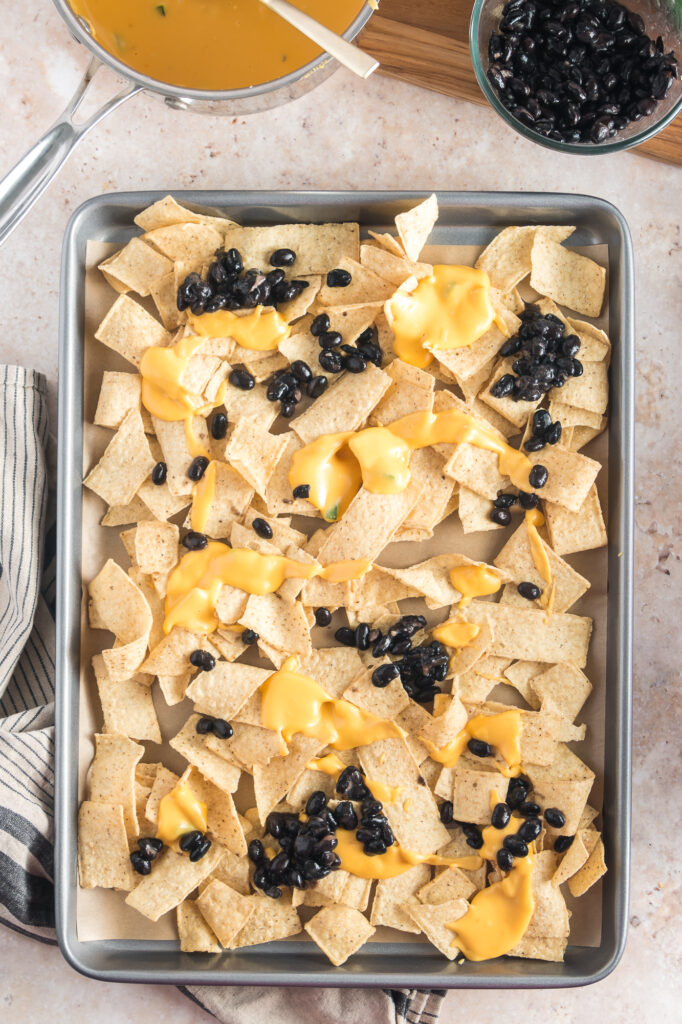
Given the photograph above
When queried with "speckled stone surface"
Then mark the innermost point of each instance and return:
(382, 134)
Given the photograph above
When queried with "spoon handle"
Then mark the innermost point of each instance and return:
(346, 53)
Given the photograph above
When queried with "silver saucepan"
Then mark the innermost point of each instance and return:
(30, 177)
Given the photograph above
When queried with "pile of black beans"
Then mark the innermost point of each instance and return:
(420, 668)
(149, 847)
(544, 431)
(227, 286)
(218, 726)
(286, 386)
(336, 356)
(373, 828)
(306, 848)
(545, 357)
(577, 72)
(515, 845)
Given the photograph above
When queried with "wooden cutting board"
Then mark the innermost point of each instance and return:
(426, 42)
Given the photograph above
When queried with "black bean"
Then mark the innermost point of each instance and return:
(197, 468)
(538, 476)
(204, 725)
(256, 852)
(150, 847)
(503, 386)
(330, 339)
(446, 812)
(320, 324)
(276, 390)
(516, 846)
(517, 791)
(301, 371)
(262, 528)
(191, 839)
(323, 616)
(528, 809)
(283, 258)
(344, 812)
(316, 387)
(501, 516)
(316, 802)
(200, 851)
(541, 422)
(242, 379)
(473, 836)
(222, 729)
(555, 817)
(505, 859)
(338, 278)
(383, 675)
(562, 843)
(553, 435)
(345, 635)
(382, 646)
(528, 501)
(400, 645)
(159, 473)
(302, 491)
(530, 829)
(480, 748)
(534, 444)
(500, 816)
(195, 541)
(331, 361)
(203, 660)
(219, 426)
(505, 500)
(362, 636)
(355, 362)
(529, 590)
(249, 636)
(141, 864)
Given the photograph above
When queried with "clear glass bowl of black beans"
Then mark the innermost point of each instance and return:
(580, 76)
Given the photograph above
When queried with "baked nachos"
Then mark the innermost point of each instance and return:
(365, 745)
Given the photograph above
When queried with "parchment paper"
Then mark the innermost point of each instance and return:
(102, 913)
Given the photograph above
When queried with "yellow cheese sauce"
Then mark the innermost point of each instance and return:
(450, 308)
(195, 583)
(209, 44)
(163, 393)
(335, 466)
(498, 916)
(503, 732)
(180, 812)
(474, 581)
(293, 703)
(394, 862)
(261, 330)
(456, 634)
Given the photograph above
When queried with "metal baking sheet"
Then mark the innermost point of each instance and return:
(465, 218)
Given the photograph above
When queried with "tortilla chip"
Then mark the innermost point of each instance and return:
(411, 390)
(221, 813)
(472, 790)
(127, 704)
(368, 524)
(119, 393)
(195, 934)
(395, 269)
(392, 897)
(135, 267)
(224, 910)
(507, 258)
(164, 783)
(530, 636)
(324, 893)
(565, 784)
(174, 687)
(339, 932)
(103, 860)
(112, 775)
(174, 877)
(574, 858)
(538, 948)
(451, 884)
(346, 406)
(191, 746)
(565, 686)
(474, 512)
(118, 605)
(280, 624)
(234, 871)
(477, 469)
(167, 211)
(590, 391)
(550, 916)
(590, 872)
(271, 782)
(125, 464)
(465, 362)
(334, 667)
(565, 276)
(192, 243)
(156, 546)
(434, 919)
(250, 745)
(415, 225)
(224, 691)
(594, 343)
(318, 247)
(582, 530)
(254, 453)
(270, 920)
(517, 560)
(418, 827)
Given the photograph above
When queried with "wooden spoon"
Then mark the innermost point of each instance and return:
(350, 56)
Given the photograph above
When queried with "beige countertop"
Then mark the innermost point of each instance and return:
(382, 134)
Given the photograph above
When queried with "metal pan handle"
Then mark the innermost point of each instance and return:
(28, 179)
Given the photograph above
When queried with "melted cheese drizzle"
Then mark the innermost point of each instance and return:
(195, 583)
(259, 330)
(456, 634)
(498, 916)
(180, 812)
(335, 466)
(293, 703)
(474, 581)
(163, 393)
(394, 862)
(503, 732)
(449, 309)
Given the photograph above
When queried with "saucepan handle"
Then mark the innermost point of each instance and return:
(28, 179)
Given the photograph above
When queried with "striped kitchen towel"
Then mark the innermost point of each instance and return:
(27, 627)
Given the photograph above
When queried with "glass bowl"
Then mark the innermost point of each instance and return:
(661, 17)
